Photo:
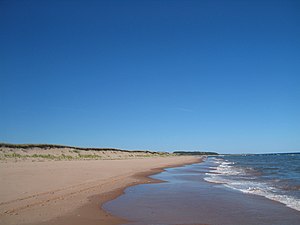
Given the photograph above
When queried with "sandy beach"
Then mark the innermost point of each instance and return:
(72, 192)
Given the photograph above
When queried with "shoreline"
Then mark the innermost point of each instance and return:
(95, 206)
(82, 203)
(186, 198)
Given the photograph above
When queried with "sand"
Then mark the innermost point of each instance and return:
(41, 153)
(71, 192)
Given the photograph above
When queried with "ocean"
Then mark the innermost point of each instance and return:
(222, 190)
(274, 176)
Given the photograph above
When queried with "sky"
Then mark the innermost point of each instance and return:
(160, 75)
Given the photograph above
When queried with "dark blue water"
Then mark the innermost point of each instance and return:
(274, 176)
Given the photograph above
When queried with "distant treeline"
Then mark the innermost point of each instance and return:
(50, 146)
(195, 153)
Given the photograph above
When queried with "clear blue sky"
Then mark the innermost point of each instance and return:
(161, 75)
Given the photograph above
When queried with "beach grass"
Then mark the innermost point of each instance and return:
(21, 152)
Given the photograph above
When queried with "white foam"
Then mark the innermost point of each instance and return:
(225, 174)
(289, 201)
(211, 180)
(225, 168)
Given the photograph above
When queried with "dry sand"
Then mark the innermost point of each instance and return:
(71, 192)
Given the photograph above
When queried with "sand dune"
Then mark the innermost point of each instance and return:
(47, 152)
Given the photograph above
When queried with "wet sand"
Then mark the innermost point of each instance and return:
(71, 192)
(187, 199)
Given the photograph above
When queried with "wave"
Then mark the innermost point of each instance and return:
(243, 179)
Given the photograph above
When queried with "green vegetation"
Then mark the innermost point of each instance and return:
(13, 155)
(50, 146)
(76, 151)
(71, 153)
(89, 156)
(194, 153)
(53, 157)
(48, 156)
(43, 156)
(68, 157)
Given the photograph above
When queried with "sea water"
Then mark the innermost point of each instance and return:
(223, 190)
(274, 176)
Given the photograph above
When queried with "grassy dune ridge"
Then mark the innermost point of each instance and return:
(45, 152)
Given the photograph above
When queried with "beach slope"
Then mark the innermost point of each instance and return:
(71, 192)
